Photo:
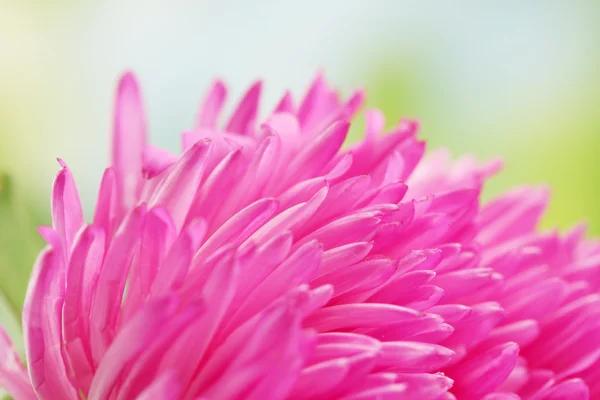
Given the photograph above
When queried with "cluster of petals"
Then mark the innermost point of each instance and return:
(269, 261)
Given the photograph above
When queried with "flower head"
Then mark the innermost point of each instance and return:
(267, 262)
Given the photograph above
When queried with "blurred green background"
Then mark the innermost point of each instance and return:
(516, 79)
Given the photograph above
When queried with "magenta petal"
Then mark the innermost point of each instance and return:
(157, 237)
(155, 161)
(395, 391)
(42, 331)
(485, 372)
(106, 205)
(274, 264)
(413, 357)
(13, 376)
(67, 214)
(108, 291)
(83, 270)
(245, 114)
(129, 139)
(358, 315)
(312, 159)
(501, 396)
(299, 268)
(573, 389)
(212, 105)
(166, 387)
(286, 104)
(178, 188)
(145, 327)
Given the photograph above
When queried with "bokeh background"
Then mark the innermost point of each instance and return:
(517, 79)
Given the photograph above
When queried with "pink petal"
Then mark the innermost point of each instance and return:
(130, 343)
(129, 140)
(395, 391)
(212, 106)
(175, 266)
(106, 205)
(275, 330)
(108, 291)
(360, 227)
(361, 276)
(286, 104)
(220, 183)
(467, 281)
(413, 357)
(158, 235)
(349, 254)
(476, 326)
(501, 396)
(246, 111)
(13, 375)
(312, 159)
(155, 161)
(573, 389)
(240, 226)
(67, 214)
(521, 332)
(41, 325)
(426, 385)
(178, 188)
(165, 387)
(358, 315)
(485, 372)
(139, 373)
(84, 267)
(299, 268)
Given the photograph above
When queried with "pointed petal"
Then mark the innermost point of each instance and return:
(299, 268)
(158, 235)
(425, 386)
(286, 104)
(109, 288)
(84, 267)
(348, 254)
(521, 332)
(312, 159)
(246, 111)
(106, 205)
(165, 387)
(484, 372)
(212, 106)
(41, 328)
(274, 332)
(361, 276)
(358, 315)
(413, 357)
(156, 160)
(178, 188)
(131, 341)
(221, 183)
(394, 391)
(240, 226)
(176, 264)
(67, 213)
(13, 375)
(501, 396)
(359, 227)
(572, 389)
(129, 139)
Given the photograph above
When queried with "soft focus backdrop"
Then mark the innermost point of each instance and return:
(518, 79)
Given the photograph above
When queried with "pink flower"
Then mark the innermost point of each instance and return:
(266, 262)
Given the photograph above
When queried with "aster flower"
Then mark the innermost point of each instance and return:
(267, 262)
